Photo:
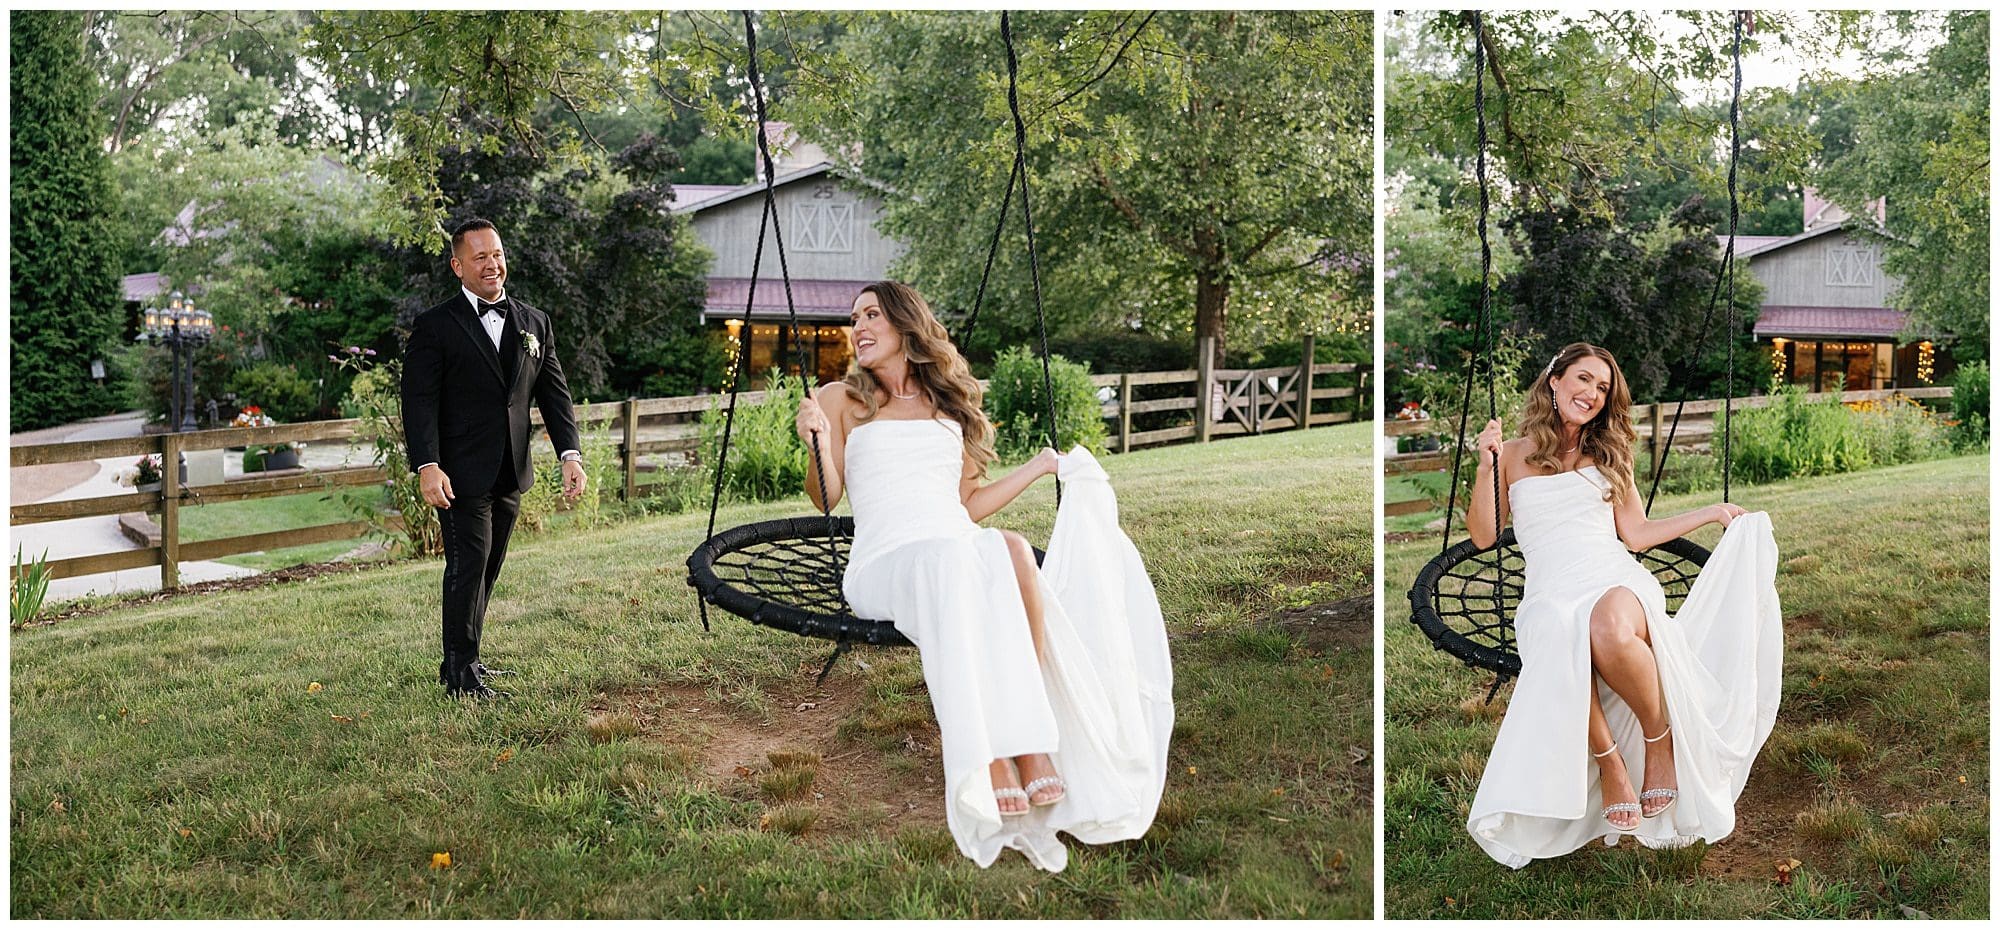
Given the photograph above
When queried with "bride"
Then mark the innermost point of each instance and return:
(1051, 685)
(1625, 719)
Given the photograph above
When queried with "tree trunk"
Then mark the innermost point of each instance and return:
(1211, 308)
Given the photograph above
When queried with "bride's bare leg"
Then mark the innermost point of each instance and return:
(1613, 780)
(1025, 571)
(1037, 765)
(1622, 652)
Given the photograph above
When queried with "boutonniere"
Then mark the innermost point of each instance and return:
(531, 345)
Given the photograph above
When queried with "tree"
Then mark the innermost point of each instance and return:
(64, 297)
(1188, 169)
(1640, 290)
(1582, 107)
(1921, 140)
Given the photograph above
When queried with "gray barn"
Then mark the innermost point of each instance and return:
(1826, 315)
(831, 245)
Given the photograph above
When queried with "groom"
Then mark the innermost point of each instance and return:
(473, 365)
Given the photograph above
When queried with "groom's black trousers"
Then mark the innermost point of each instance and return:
(475, 531)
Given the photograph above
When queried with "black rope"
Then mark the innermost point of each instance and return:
(1729, 308)
(1028, 226)
(992, 251)
(1726, 274)
(1482, 340)
(784, 268)
(768, 220)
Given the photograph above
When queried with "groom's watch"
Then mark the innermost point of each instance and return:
(571, 455)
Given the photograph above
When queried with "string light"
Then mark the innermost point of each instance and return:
(1926, 361)
(1777, 364)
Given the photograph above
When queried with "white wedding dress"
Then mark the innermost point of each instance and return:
(1100, 703)
(1720, 660)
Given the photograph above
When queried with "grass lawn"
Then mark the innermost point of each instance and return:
(1875, 779)
(269, 514)
(173, 759)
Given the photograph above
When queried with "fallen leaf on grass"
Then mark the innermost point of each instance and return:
(184, 832)
(440, 860)
(1912, 913)
(1785, 869)
(315, 688)
(1190, 770)
(504, 755)
(1339, 860)
(1277, 792)
(57, 806)
(809, 705)
(744, 771)
(337, 718)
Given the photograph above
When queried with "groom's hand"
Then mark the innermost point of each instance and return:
(574, 480)
(436, 487)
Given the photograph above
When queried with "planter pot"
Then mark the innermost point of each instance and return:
(152, 488)
(283, 458)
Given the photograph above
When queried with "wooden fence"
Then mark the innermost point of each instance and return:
(1247, 401)
(1653, 423)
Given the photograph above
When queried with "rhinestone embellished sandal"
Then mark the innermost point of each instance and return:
(1654, 794)
(1048, 781)
(1003, 794)
(1623, 807)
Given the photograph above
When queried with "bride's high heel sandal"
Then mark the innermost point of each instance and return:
(1622, 807)
(1002, 794)
(1047, 781)
(1652, 794)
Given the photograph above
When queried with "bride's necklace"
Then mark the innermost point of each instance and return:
(910, 396)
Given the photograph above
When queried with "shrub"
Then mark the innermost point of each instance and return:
(766, 459)
(375, 398)
(1797, 438)
(1900, 431)
(279, 389)
(1970, 396)
(1018, 406)
(601, 469)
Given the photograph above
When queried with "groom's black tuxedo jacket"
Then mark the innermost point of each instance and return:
(465, 406)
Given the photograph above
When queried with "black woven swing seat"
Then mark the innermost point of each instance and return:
(786, 574)
(1464, 599)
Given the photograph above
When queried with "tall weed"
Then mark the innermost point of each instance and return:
(766, 460)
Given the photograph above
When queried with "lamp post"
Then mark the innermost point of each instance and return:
(181, 328)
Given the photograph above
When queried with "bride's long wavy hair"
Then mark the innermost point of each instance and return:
(935, 365)
(1607, 439)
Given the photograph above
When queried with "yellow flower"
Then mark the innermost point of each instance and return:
(315, 688)
(1190, 770)
(440, 860)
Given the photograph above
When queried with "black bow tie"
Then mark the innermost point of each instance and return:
(497, 308)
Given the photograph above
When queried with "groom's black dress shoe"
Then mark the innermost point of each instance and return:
(481, 669)
(464, 681)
